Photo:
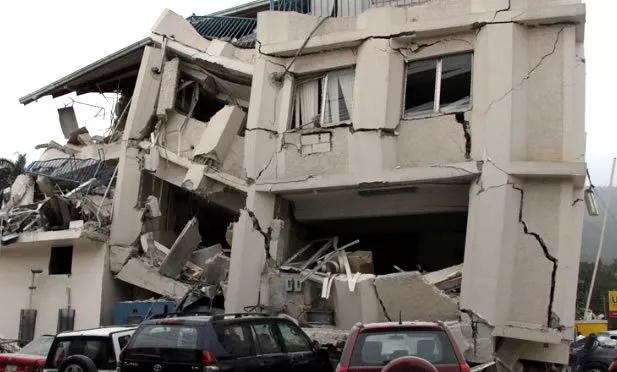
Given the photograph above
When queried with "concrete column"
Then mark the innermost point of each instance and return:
(126, 217)
(260, 158)
(378, 93)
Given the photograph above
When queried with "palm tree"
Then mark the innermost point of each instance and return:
(10, 169)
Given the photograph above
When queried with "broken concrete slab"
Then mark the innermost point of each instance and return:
(118, 257)
(217, 269)
(140, 274)
(327, 335)
(169, 87)
(68, 121)
(201, 256)
(361, 305)
(437, 277)
(219, 134)
(181, 250)
(414, 298)
(195, 177)
(479, 337)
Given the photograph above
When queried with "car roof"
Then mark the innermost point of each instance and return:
(96, 332)
(202, 319)
(403, 325)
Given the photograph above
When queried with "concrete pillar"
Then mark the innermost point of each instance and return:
(126, 224)
(260, 158)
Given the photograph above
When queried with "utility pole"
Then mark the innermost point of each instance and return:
(606, 211)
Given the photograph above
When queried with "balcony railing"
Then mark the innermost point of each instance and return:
(336, 8)
(238, 30)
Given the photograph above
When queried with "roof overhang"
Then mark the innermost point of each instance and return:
(100, 76)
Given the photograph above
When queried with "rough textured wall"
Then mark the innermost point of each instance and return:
(317, 163)
(234, 161)
(430, 141)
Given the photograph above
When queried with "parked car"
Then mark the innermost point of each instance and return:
(225, 342)
(592, 354)
(30, 358)
(373, 347)
(88, 350)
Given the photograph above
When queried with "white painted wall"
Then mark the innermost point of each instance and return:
(85, 282)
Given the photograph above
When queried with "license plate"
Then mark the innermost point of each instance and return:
(11, 368)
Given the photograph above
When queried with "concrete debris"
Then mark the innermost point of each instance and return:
(140, 274)
(217, 269)
(201, 256)
(217, 138)
(362, 305)
(361, 262)
(181, 250)
(68, 121)
(415, 298)
(80, 137)
(22, 193)
(327, 335)
(118, 257)
(152, 208)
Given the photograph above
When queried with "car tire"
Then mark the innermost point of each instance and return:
(410, 363)
(78, 363)
(595, 367)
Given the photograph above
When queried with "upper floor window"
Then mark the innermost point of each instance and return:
(438, 85)
(324, 100)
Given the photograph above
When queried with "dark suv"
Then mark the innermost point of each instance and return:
(416, 346)
(227, 342)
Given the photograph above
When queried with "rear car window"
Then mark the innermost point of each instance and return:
(39, 346)
(379, 348)
(99, 350)
(166, 342)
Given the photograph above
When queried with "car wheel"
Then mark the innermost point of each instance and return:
(78, 363)
(595, 367)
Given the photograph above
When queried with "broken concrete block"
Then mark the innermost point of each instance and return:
(416, 299)
(22, 192)
(140, 274)
(220, 48)
(68, 121)
(195, 177)
(479, 336)
(169, 87)
(219, 134)
(151, 159)
(277, 240)
(361, 305)
(152, 208)
(437, 277)
(201, 256)
(147, 242)
(361, 262)
(118, 256)
(217, 269)
(181, 250)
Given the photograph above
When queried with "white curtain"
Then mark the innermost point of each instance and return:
(307, 103)
(338, 102)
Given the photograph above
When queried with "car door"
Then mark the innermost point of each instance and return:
(235, 347)
(299, 348)
(120, 340)
(271, 356)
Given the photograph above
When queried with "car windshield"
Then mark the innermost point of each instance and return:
(379, 348)
(39, 346)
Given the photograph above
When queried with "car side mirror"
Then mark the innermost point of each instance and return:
(316, 345)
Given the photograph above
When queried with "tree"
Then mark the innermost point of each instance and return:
(10, 169)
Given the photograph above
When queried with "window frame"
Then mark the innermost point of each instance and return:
(321, 76)
(438, 78)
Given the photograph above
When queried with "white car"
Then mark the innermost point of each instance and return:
(88, 350)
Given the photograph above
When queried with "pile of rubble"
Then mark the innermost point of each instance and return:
(171, 265)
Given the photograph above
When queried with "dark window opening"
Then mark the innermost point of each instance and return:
(206, 106)
(438, 85)
(61, 261)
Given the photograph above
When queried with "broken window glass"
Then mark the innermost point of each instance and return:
(324, 101)
(61, 260)
(438, 85)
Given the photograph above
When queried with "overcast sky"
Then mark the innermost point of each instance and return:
(46, 40)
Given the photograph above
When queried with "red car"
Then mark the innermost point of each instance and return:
(30, 358)
(397, 346)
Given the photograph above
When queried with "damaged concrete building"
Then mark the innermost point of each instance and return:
(358, 161)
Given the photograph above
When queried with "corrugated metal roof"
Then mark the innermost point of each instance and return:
(238, 30)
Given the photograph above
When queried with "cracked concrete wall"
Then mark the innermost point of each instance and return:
(234, 161)
(297, 165)
(182, 138)
(430, 141)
